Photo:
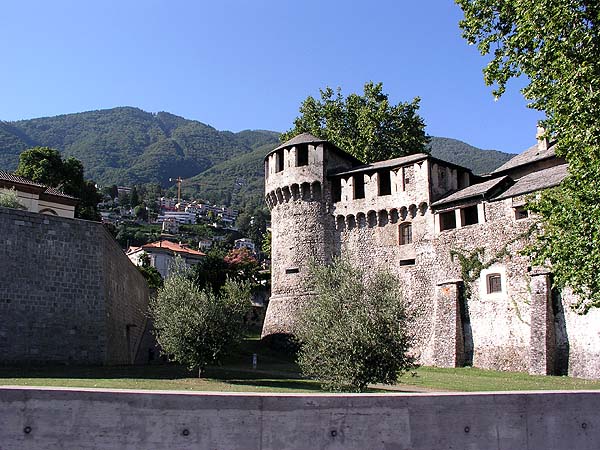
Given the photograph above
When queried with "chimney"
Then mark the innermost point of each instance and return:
(542, 141)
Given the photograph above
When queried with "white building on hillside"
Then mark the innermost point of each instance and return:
(162, 255)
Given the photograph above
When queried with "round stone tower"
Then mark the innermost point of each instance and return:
(297, 192)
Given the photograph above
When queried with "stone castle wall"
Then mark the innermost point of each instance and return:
(496, 329)
(67, 292)
(525, 327)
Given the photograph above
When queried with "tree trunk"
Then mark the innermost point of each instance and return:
(199, 372)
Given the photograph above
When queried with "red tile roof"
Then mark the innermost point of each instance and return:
(172, 246)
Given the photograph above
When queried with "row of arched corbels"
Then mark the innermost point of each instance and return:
(305, 191)
(379, 218)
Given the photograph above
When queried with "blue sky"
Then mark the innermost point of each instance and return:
(248, 64)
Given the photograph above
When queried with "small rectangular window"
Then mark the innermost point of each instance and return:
(494, 283)
(302, 155)
(336, 189)
(469, 215)
(407, 262)
(447, 220)
(279, 161)
(405, 232)
(359, 186)
(292, 270)
(384, 182)
(521, 213)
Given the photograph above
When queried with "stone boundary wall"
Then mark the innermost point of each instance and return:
(67, 292)
(54, 418)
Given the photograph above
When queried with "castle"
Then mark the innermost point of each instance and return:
(415, 216)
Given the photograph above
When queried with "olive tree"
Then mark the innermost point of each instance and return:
(197, 327)
(355, 330)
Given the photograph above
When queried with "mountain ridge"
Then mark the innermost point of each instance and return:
(127, 145)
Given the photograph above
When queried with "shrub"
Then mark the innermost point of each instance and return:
(10, 199)
(354, 332)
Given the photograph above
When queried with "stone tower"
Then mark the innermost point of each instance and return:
(298, 194)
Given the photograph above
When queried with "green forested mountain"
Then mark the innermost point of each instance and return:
(463, 154)
(129, 146)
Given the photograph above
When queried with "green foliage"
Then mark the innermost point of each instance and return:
(366, 126)
(266, 244)
(10, 199)
(197, 327)
(555, 44)
(46, 165)
(211, 272)
(151, 274)
(129, 146)
(570, 241)
(218, 266)
(471, 266)
(354, 332)
(471, 263)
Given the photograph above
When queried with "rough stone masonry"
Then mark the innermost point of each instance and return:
(418, 217)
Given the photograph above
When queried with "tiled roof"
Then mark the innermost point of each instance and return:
(304, 138)
(56, 193)
(530, 155)
(172, 246)
(542, 179)
(475, 190)
(385, 164)
(12, 178)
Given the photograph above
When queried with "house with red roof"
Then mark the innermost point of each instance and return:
(163, 253)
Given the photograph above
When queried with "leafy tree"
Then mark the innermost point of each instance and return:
(355, 331)
(197, 327)
(555, 45)
(217, 266)
(241, 264)
(134, 198)
(150, 273)
(368, 126)
(45, 165)
(141, 212)
(10, 199)
(211, 272)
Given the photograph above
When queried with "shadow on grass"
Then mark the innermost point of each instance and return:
(305, 385)
(151, 372)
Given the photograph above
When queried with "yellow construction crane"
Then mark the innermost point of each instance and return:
(178, 180)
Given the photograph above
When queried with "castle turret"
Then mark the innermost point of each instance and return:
(298, 194)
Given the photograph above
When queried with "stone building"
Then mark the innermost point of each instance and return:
(415, 216)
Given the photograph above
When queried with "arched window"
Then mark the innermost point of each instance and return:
(405, 233)
(48, 211)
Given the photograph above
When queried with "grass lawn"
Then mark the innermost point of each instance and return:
(469, 379)
(276, 372)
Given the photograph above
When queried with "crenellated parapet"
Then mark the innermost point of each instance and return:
(308, 192)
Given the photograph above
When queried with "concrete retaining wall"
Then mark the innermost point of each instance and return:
(33, 418)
